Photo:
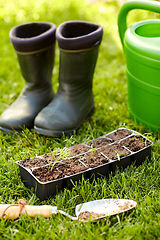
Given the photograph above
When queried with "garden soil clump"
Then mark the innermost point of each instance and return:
(86, 216)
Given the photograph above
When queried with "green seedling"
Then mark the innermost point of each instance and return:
(81, 158)
(134, 138)
(62, 154)
(93, 150)
(90, 144)
(118, 155)
(144, 141)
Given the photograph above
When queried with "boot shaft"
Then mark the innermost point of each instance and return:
(37, 68)
(34, 44)
(79, 45)
(77, 69)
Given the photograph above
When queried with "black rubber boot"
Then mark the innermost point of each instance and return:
(79, 44)
(34, 44)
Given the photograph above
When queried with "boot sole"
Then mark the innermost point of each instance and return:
(54, 133)
(9, 131)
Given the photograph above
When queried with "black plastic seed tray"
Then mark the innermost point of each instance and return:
(94, 158)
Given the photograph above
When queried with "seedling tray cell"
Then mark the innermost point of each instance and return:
(79, 149)
(118, 156)
(140, 147)
(51, 172)
(42, 189)
(99, 142)
(119, 133)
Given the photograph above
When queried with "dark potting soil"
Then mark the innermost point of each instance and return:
(78, 149)
(114, 151)
(119, 134)
(93, 159)
(45, 174)
(39, 160)
(33, 162)
(97, 143)
(58, 155)
(135, 143)
(59, 170)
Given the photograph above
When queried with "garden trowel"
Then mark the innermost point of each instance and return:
(92, 210)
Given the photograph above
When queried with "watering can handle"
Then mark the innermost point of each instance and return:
(153, 6)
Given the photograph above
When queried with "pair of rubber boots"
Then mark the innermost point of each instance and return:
(37, 106)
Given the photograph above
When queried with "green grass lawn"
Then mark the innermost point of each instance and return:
(110, 91)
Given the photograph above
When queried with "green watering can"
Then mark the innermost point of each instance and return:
(141, 44)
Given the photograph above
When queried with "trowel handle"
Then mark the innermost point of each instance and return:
(13, 211)
(153, 6)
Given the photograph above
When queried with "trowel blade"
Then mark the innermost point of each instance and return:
(105, 207)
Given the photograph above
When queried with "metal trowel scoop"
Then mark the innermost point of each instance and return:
(97, 209)
(92, 210)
